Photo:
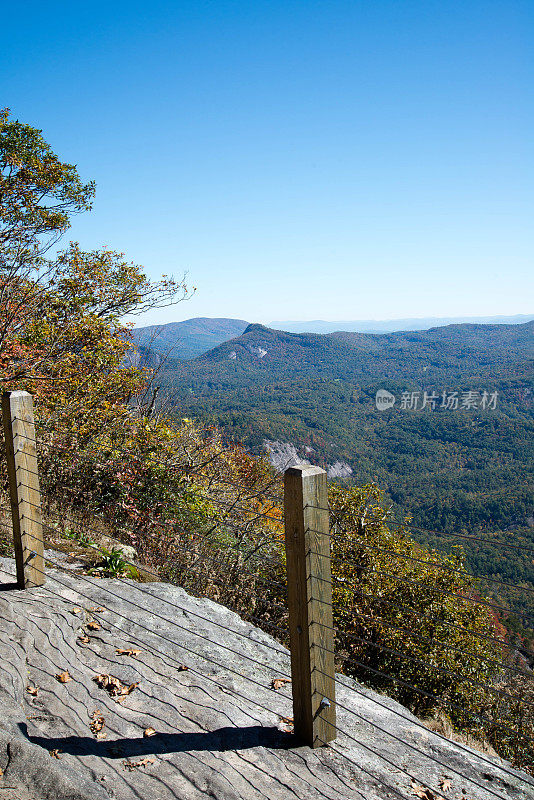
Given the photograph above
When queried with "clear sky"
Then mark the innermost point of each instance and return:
(301, 160)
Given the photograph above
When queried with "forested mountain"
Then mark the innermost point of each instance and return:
(463, 469)
(262, 355)
(189, 338)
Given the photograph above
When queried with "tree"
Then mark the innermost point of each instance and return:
(61, 332)
(38, 192)
(47, 306)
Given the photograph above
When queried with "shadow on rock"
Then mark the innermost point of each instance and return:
(221, 740)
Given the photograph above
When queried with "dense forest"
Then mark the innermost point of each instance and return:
(467, 471)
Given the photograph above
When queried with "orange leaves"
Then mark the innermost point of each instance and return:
(277, 683)
(63, 677)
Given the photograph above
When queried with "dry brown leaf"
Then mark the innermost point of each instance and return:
(277, 683)
(101, 735)
(93, 626)
(182, 668)
(149, 732)
(84, 638)
(124, 652)
(136, 764)
(445, 784)
(424, 792)
(76, 610)
(287, 720)
(97, 723)
(113, 686)
(33, 690)
(54, 753)
(63, 677)
(97, 609)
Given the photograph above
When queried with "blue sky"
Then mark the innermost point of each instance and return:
(301, 160)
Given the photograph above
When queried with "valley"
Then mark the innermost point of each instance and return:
(466, 471)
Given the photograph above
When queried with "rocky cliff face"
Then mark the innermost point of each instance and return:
(114, 689)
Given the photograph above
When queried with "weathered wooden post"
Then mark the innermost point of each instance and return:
(25, 495)
(309, 589)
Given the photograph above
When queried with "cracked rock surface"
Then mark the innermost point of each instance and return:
(193, 715)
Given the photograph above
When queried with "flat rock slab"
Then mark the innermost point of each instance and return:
(203, 684)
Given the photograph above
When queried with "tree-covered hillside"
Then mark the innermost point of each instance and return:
(454, 470)
(189, 338)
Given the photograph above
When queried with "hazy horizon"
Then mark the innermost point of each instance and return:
(293, 325)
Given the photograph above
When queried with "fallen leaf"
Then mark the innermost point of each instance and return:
(54, 753)
(97, 609)
(287, 720)
(149, 732)
(113, 686)
(93, 626)
(63, 677)
(445, 784)
(131, 652)
(97, 723)
(76, 610)
(182, 668)
(33, 690)
(101, 735)
(424, 792)
(136, 764)
(277, 683)
(84, 638)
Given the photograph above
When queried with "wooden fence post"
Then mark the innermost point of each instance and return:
(25, 496)
(309, 590)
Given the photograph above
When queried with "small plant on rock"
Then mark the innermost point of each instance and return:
(114, 564)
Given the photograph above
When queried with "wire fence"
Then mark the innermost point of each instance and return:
(411, 623)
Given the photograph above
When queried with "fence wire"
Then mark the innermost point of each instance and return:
(254, 559)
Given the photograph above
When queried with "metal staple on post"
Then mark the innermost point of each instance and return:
(24, 491)
(309, 589)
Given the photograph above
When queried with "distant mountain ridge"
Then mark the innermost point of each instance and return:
(391, 325)
(262, 354)
(189, 338)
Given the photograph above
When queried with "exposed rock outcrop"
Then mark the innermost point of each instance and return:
(202, 682)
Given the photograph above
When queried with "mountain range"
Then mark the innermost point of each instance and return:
(390, 325)
(454, 450)
(192, 337)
